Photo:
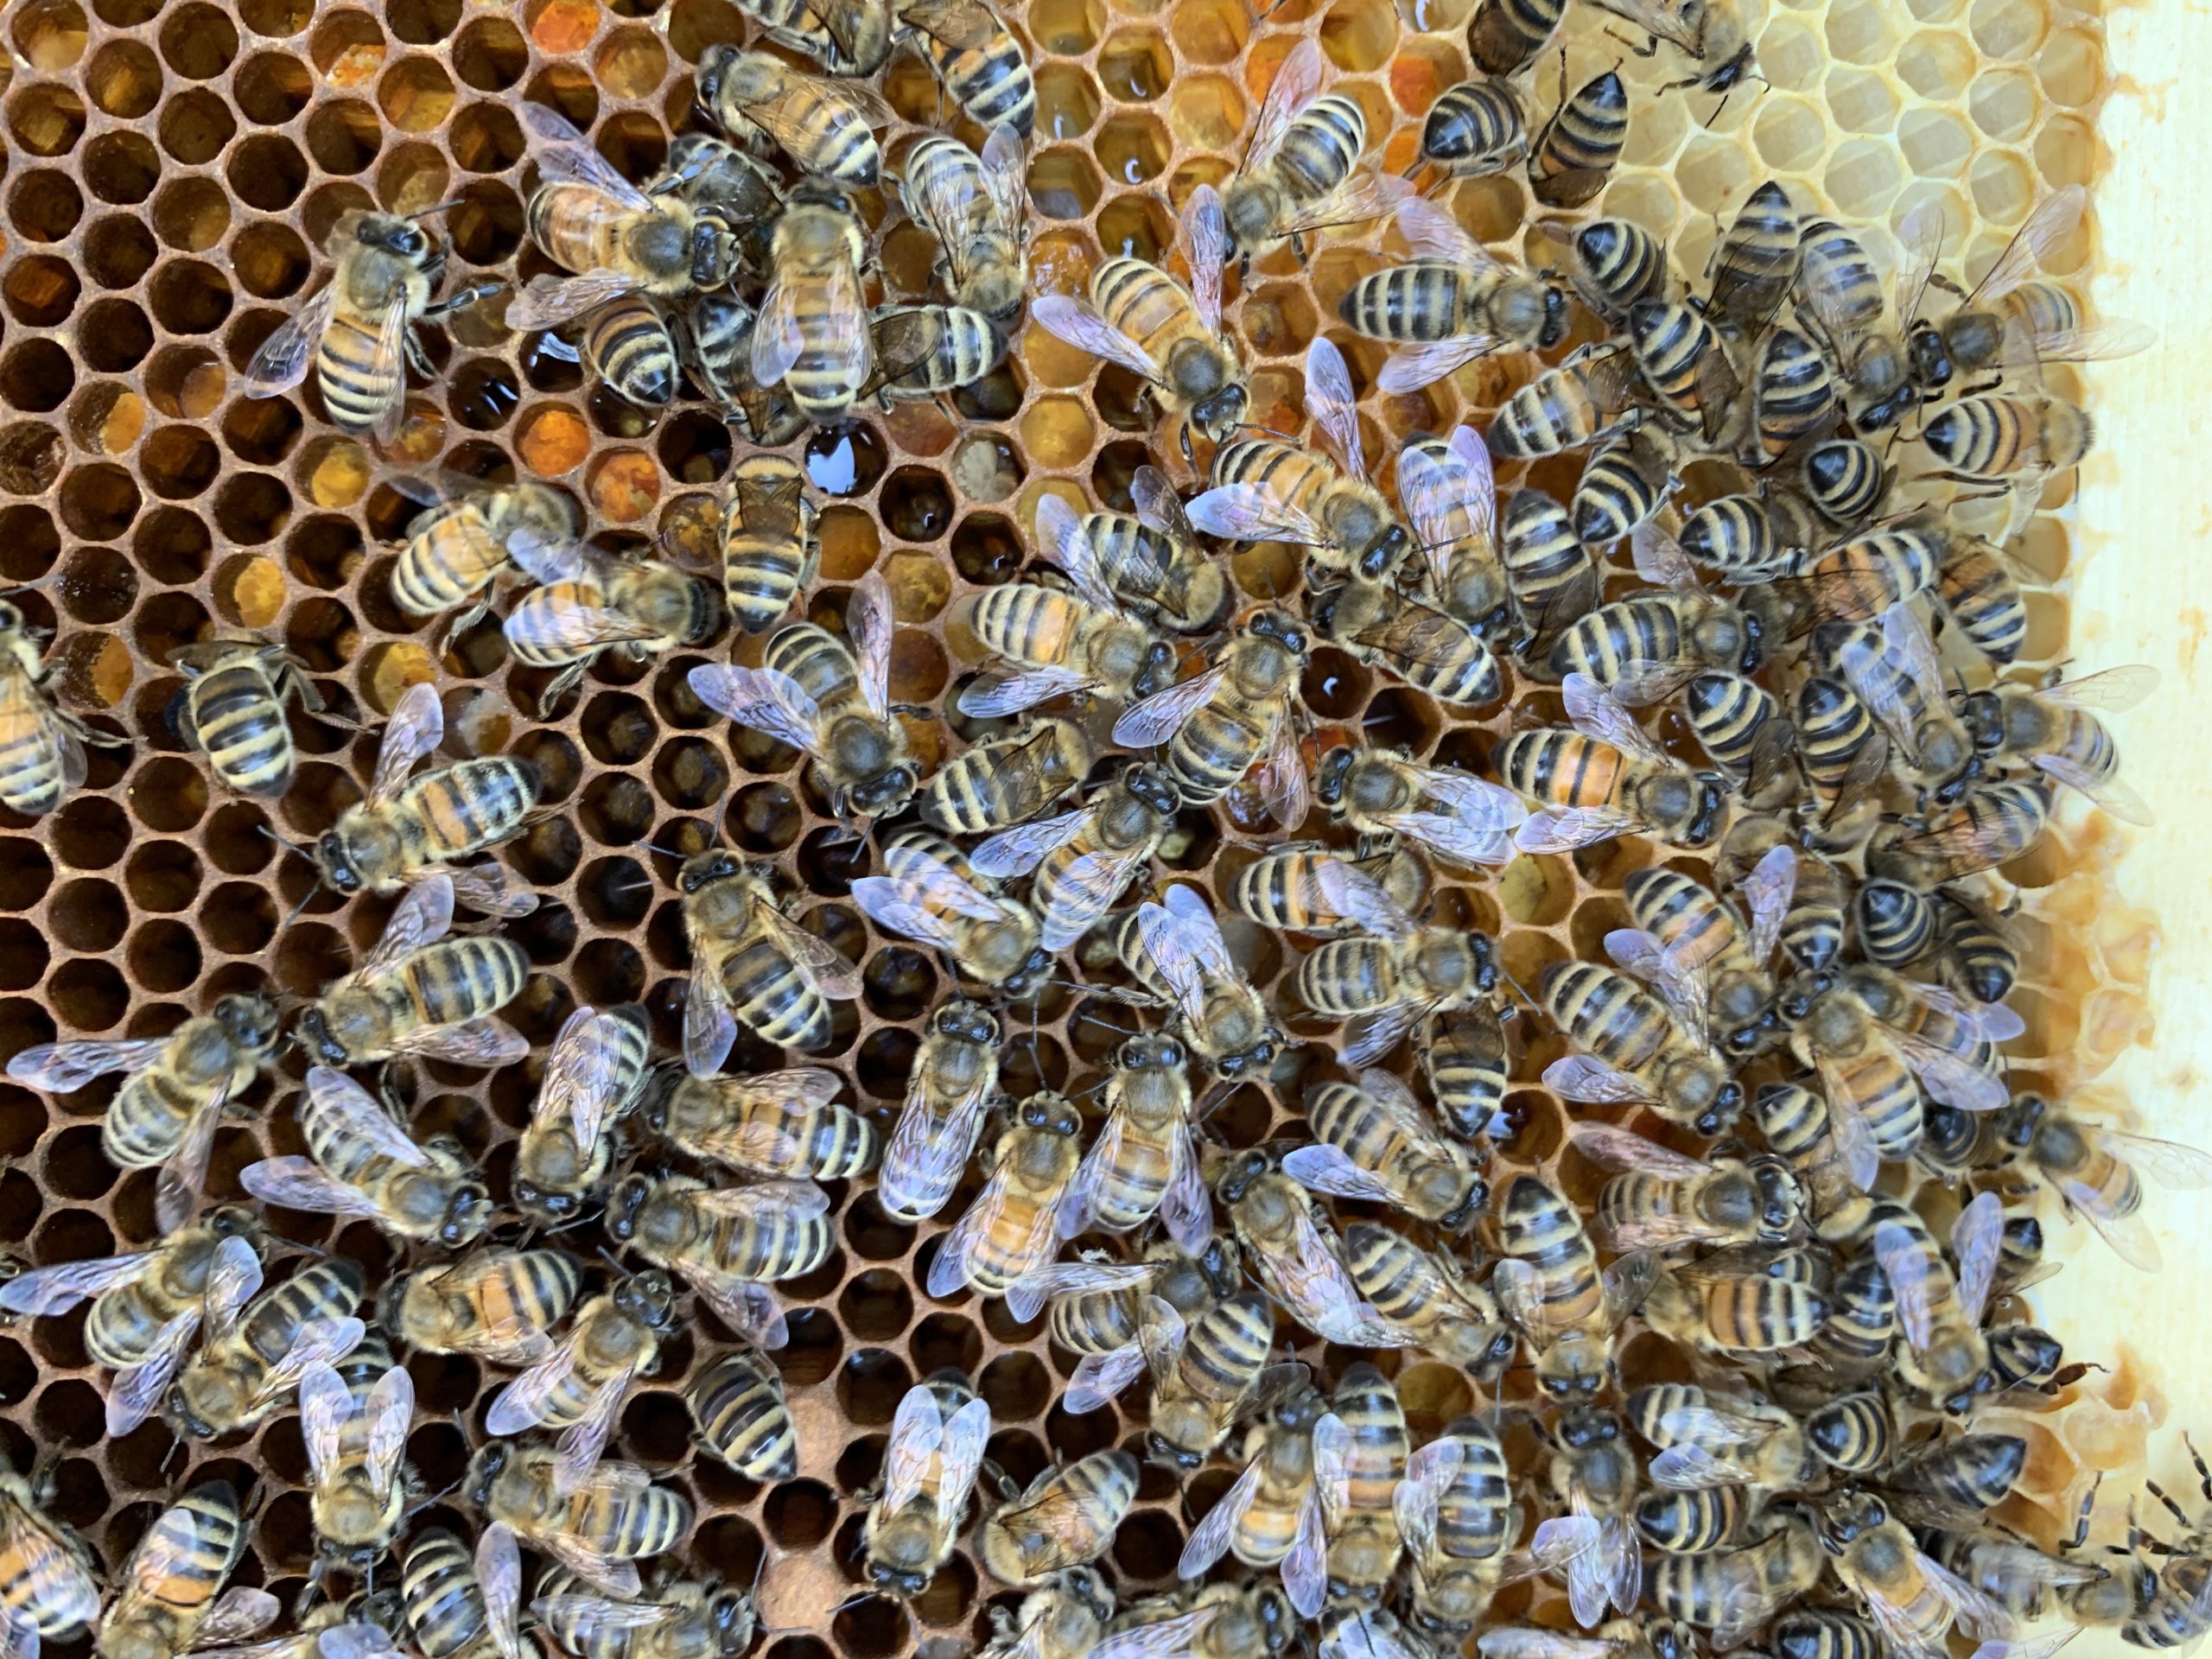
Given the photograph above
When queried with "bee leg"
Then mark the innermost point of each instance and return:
(999, 1479)
(466, 297)
(462, 623)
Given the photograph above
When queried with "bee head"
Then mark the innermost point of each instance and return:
(967, 1022)
(312, 1033)
(1055, 1113)
(234, 1221)
(1585, 1426)
(483, 1470)
(1153, 1049)
(1485, 958)
(466, 1216)
(1329, 776)
(1245, 1169)
(1727, 1105)
(250, 1021)
(885, 792)
(1754, 646)
(714, 67)
(1260, 1055)
(1848, 1517)
(1712, 799)
(1036, 967)
(1159, 1450)
(179, 1411)
(1780, 1197)
(1153, 786)
(11, 618)
(713, 865)
(2017, 1123)
(623, 1206)
(1468, 1209)
(1219, 414)
(1931, 362)
(1384, 552)
(902, 1581)
(1984, 715)
(544, 1206)
(1555, 317)
(1158, 670)
(648, 1297)
(730, 1613)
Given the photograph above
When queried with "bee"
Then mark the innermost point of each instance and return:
(1376, 1142)
(255, 1349)
(1812, 929)
(1637, 1048)
(1623, 485)
(1856, 1433)
(170, 1597)
(1793, 393)
(1384, 793)
(739, 1403)
(1708, 1440)
(690, 1619)
(1271, 1517)
(147, 1305)
(2028, 1584)
(1218, 724)
(2094, 1169)
(1304, 887)
(771, 543)
(1549, 1285)
(595, 1074)
(1176, 950)
(1219, 1621)
(41, 747)
(1857, 580)
(362, 1164)
(1913, 1601)
(599, 1531)
(1455, 1509)
(460, 1603)
(715, 340)
(1097, 1307)
(1979, 595)
(1475, 128)
(1573, 155)
(1450, 495)
(929, 891)
(630, 347)
(1735, 1302)
(1407, 637)
(1862, 1324)
(233, 709)
(1737, 538)
(1692, 942)
(1944, 1356)
(1153, 562)
(929, 1472)
(830, 701)
(420, 993)
(1733, 1591)
(1942, 1040)
(955, 1075)
(170, 1107)
(495, 1303)
(1083, 859)
(847, 37)
(751, 962)
(357, 333)
(1315, 496)
(1710, 33)
(1296, 1257)
(1387, 985)
(1547, 570)
(1467, 1069)
(589, 603)
(1015, 1223)
(1593, 1476)
(727, 1241)
(1646, 647)
(737, 191)
(1892, 665)
(1299, 169)
(1844, 756)
(579, 1386)
(977, 208)
(1170, 337)
(1208, 1373)
(1066, 1518)
(1428, 1293)
(1360, 1450)
(1062, 1620)
(1008, 779)
(1145, 1162)
(1835, 1159)
(1614, 263)
(2053, 728)
(978, 59)
(1686, 366)
(1952, 1482)
(1757, 261)
(48, 1587)
(782, 1125)
(825, 126)
(812, 336)
(354, 1419)
(1068, 641)
(1659, 1200)
(1845, 481)
(1505, 36)
(1642, 1637)
(1841, 297)
(925, 351)
(1603, 778)
(1696, 1522)
(408, 826)
(1989, 826)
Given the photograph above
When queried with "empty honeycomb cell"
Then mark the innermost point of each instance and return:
(199, 41)
(46, 120)
(267, 171)
(1065, 183)
(88, 994)
(194, 126)
(98, 501)
(37, 376)
(1937, 63)
(343, 135)
(180, 463)
(875, 1627)
(2003, 186)
(630, 63)
(252, 508)
(271, 262)
(1934, 144)
(123, 79)
(1862, 175)
(271, 88)
(30, 543)
(490, 54)
(190, 297)
(44, 206)
(2065, 152)
(186, 382)
(164, 958)
(162, 876)
(1861, 101)
(26, 873)
(74, 1166)
(239, 918)
(98, 586)
(547, 936)
(2006, 29)
(1066, 28)
(324, 551)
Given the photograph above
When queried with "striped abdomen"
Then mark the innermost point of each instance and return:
(1985, 601)
(1040, 625)
(1562, 768)
(324, 1290)
(461, 809)
(1228, 1347)
(1607, 1013)
(1417, 300)
(629, 346)
(1537, 1226)
(768, 993)
(559, 623)
(1321, 148)
(1794, 389)
(1863, 577)
(1504, 36)
(1475, 127)
(738, 1403)
(1575, 152)
(1833, 727)
(455, 980)
(1146, 303)
(778, 1247)
(1215, 747)
(1369, 1406)
(358, 382)
(1672, 343)
(31, 755)
(1728, 712)
(239, 721)
(1680, 913)
(446, 560)
(438, 1587)
(1093, 1321)
(991, 82)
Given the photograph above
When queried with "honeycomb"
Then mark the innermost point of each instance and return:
(173, 167)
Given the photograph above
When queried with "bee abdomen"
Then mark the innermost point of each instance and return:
(1728, 712)
(240, 722)
(992, 83)
(461, 808)
(1504, 36)
(768, 993)
(1692, 1522)
(629, 346)
(455, 980)
(356, 389)
(1228, 1347)
(1321, 147)
(438, 1587)
(1418, 300)
(1344, 978)
(1794, 389)
(739, 1403)
(1475, 126)
(445, 562)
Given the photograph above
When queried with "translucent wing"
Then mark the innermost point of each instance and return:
(1690, 1467)
(1618, 1149)
(1906, 1266)
(2170, 1163)
(763, 698)
(1369, 1635)
(820, 960)
(1209, 1538)
(1006, 170)
(61, 1286)
(1161, 715)
(1326, 1169)
(1595, 712)
(1027, 1297)
(238, 1614)
(1526, 1642)
(2108, 790)
(1020, 849)
(423, 915)
(1364, 195)
(926, 1156)
(335, 1098)
(417, 726)
(1061, 532)
(1098, 1378)
(1205, 234)
(1413, 1503)
(868, 623)
(1334, 889)
(763, 1201)
(177, 1188)
(387, 356)
(2097, 342)
(1076, 323)
(1431, 233)
(1186, 1208)
(1370, 1036)
(1659, 558)
(1978, 1239)
(1182, 926)
(316, 1343)
(995, 695)
(550, 559)
(297, 1184)
(232, 1283)
(1571, 1544)
(1158, 504)
(564, 156)
(524, 1402)
(1089, 887)
(1767, 891)
(582, 1074)
(577, 1452)
(2042, 233)
(1920, 241)
(138, 1390)
(1330, 400)
(282, 362)
(1296, 84)
(1556, 829)
(2129, 1234)
(63, 1068)
(779, 335)
(966, 1433)
(2110, 691)
(355, 1642)
(1673, 21)
(1253, 512)
(1170, 1639)
(498, 1579)
(1425, 362)
(325, 1406)
(1436, 493)
(1680, 981)
(1579, 1077)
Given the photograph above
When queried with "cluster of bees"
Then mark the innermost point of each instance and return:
(1781, 1039)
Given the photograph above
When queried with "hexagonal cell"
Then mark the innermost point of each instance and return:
(46, 120)
(194, 126)
(1862, 177)
(1067, 29)
(199, 41)
(1064, 183)
(48, 35)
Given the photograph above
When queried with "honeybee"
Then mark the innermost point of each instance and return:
(1013, 1226)
(852, 38)
(1952, 1482)
(1914, 1601)
(830, 701)
(1299, 171)
(1176, 950)
(48, 1587)
(1872, 1035)
(1410, 639)
(1066, 1518)
(1083, 859)
(1612, 264)
(1691, 376)
(1989, 826)
(355, 1422)
(41, 747)
(232, 709)
(1757, 260)
(1690, 940)
(1304, 887)
(406, 826)
(1360, 1449)
(1793, 392)
(1843, 298)
(257, 1348)
(495, 1303)
(1063, 1620)
(825, 126)
(1067, 642)
(2093, 1168)
(1622, 487)
(1376, 1142)
(1892, 665)
(1732, 1592)
(1219, 1621)
(1386, 985)
(715, 340)
(929, 1472)
(1217, 724)
(365, 1165)
(752, 963)
(1145, 1162)
(1737, 1302)
(771, 543)
(1009, 778)
(458, 547)
(976, 207)
(1097, 1307)
(1981, 596)
(420, 993)
(1637, 1048)
(1505, 36)
(1316, 495)
(1604, 777)
(589, 603)
(1467, 1069)
(1593, 1475)
(1296, 1257)
(2053, 729)
(1450, 494)
(1142, 319)
(629, 346)
(594, 1074)
(727, 1241)
(171, 1600)
(978, 59)
(1644, 646)
(926, 351)
(1707, 1438)
(1207, 1373)
(1944, 1356)
(1455, 1509)
(1431, 1295)
(1659, 1200)
(812, 336)
(1856, 1434)
(579, 1387)
(1475, 128)
(956, 1074)
(690, 1619)
(1153, 562)
(167, 1110)
(1738, 538)
(1573, 153)
(779, 1125)
(357, 333)
(461, 1605)
(1642, 1638)
(739, 1403)
(1549, 1285)
(1272, 1515)
(599, 1531)
(929, 891)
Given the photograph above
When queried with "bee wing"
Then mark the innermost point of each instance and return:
(1074, 321)
(763, 1201)
(1088, 889)
(64, 1068)
(282, 362)
(1296, 84)
(1413, 1501)
(1369, 1636)
(994, 696)
(581, 1075)
(1678, 23)
(1978, 1241)
(1186, 1207)
(485, 1042)
(417, 726)
(1906, 1266)
(1433, 491)
(1694, 1468)
(1820, 287)
(1080, 1204)
(1006, 175)
(1659, 558)
(522, 1404)
(423, 917)
(334, 1097)
(750, 1310)
(925, 1157)
(1951, 1080)
(1098, 1378)
(499, 1580)
(2110, 691)
(170, 1544)
(363, 1641)
(619, 1579)
(564, 156)
(1206, 235)
(1017, 851)
(949, 1272)
(325, 1406)
(391, 1414)
(967, 25)
(1209, 1538)
(1370, 1036)
(961, 1454)
(1767, 891)
(868, 623)
(1479, 824)
(2041, 234)
(1323, 1168)
(592, 1621)
(2035, 1647)
(1158, 505)
(1527, 1642)
(1619, 1150)
(1170, 1639)
(2112, 793)
(1066, 546)
(2092, 343)
(1161, 715)
(1363, 196)
(765, 699)
(232, 1282)
(1580, 1077)
(1027, 1297)
(549, 559)
(388, 358)
(1557, 830)
(1162, 1334)
(578, 1450)
(1333, 405)
(177, 1188)
(1330, 888)
(1679, 981)
(1194, 930)
(821, 961)
(1571, 1544)
(61, 1286)
(779, 337)
(2179, 1167)
(19, 1637)
(237, 1614)
(1595, 712)
(297, 1184)
(1253, 512)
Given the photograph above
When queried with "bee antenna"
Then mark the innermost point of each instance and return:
(292, 847)
(1534, 1006)
(665, 852)
(440, 208)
